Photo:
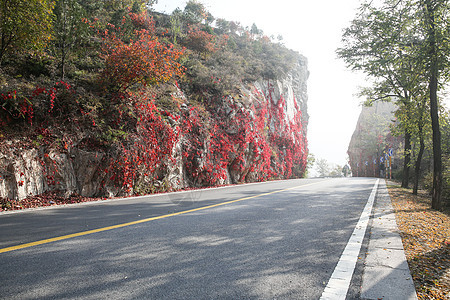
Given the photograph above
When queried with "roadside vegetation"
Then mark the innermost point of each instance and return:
(402, 47)
(118, 78)
(425, 234)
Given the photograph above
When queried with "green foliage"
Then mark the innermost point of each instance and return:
(223, 26)
(24, 25)
(403, 46)
(194, 12)
(122, 94)
(35, 66)
(122, 4)
(445, 127)
(111, 135)
(176, 24)
(446, 177)
(323, 167)
(381, 43)
(336, 171)
(311, 160)
(255, 30)
(70, 29)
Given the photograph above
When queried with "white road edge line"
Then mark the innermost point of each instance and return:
(339, 282)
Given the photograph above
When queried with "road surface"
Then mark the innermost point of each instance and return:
(274, 240)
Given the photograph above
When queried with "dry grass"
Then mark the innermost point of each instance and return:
(425, 234)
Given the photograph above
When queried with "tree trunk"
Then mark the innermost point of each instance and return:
(63, 64)
(436, 201)
(407, 153)
(63, 44)
(418, 162)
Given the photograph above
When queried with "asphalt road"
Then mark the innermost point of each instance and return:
(276, 240)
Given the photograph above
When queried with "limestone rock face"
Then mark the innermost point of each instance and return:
(292, 88)
(21, 174)
(264, 128)
(85, 171)
(367, 143)
(32, 172)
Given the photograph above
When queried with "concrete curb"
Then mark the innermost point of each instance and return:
(386, 273)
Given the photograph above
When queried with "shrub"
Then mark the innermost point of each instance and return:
(15, 107)
(200, 41)
(143, 60)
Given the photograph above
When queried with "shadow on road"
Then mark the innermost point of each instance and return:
(269, 248)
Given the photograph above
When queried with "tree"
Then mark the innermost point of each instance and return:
(445, 125)
(235, 27)
(69, 29)
(323, 167)
(381, 42)
(24, 24)
(195, 12)
(280, 38)
(310, 162)
(372, 45)
(436, 23)
(397, 43)
(417, 120)
(223, 25)
(254, 30)
(176, 24)
(336, 171)
(209, 19)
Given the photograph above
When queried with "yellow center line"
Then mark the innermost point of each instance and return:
(68, 236)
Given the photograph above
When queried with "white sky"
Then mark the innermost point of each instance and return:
(314, 29)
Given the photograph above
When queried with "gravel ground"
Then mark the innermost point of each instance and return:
(425, 234)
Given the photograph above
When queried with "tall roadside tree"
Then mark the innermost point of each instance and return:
(401, 45)
(24, 25)
(435, 20)
(416, 118)
(380, 42)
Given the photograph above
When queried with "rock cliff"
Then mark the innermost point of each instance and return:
(255, 134)
(371, 139)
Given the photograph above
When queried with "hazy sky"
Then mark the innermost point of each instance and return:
(314, 29)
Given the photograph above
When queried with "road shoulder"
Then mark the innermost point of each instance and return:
(386, 273)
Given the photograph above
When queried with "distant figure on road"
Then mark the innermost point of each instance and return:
(346, 170)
